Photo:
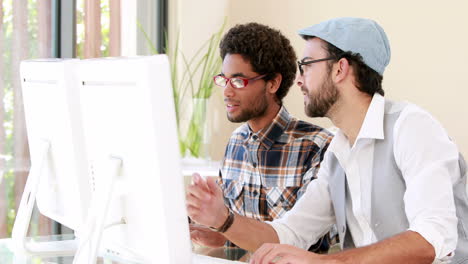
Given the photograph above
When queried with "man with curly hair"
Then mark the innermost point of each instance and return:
(272, 157)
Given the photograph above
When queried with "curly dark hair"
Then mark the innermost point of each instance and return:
(367, 80)
(267, 50)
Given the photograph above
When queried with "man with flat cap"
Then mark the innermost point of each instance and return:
(392, 180)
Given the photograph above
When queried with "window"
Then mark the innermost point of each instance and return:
(98, 28)
(52, 28)
(25, 32)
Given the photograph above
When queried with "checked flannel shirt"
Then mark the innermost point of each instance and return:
(263, 174)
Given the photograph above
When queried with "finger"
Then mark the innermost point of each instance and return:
(194, 235)
(193, 227)
(198, 240)
(198, 192)
(260, 253)
(284, 254)
(198, 228)
(194, 189)
(194, 201)
(214, 187)
(193, 212)
(288, 259)
(199, 181)
(271, 256)
(195, 178)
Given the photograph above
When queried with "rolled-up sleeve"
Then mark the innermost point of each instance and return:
(428, 160)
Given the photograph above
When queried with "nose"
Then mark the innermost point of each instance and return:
(229, 90)
(299, 80)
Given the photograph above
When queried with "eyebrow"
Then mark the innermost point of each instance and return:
(305, 58)
(237, 74)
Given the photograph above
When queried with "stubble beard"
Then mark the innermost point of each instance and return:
(257, 110)
(320, 103)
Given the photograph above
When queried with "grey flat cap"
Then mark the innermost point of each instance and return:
(358, 35)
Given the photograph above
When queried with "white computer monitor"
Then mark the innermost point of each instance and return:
(58, 178)
(132, 144)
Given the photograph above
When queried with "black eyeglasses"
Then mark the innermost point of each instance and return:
(236, 82)
(302, 63)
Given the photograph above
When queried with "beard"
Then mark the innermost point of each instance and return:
(320, 103)
(256, 108)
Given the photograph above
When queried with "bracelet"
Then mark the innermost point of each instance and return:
(227, 224)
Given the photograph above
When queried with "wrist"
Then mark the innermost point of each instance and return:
(332, 259)
(229, 220)
(222, 219)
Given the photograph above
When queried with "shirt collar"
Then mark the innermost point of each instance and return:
(372, 127)
(270, 133)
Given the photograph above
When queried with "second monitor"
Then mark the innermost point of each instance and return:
(131, 139)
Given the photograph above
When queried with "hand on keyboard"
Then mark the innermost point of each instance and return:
(206, 237)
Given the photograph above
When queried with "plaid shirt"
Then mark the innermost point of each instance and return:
(264, 173)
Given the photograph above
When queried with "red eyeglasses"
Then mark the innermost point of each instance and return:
(236, 82)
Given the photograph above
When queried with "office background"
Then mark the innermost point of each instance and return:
(429, 41)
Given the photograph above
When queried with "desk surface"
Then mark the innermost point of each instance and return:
(7, 256)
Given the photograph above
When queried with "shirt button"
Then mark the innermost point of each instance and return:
(255, 193)
(254, 165)
(343, 229)
(255, 137)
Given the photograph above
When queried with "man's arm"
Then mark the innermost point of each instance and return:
(205, 206)
(250, 234)
(407, 247)
(310, 218)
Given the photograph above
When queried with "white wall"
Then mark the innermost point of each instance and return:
(128, 35)
(196, 21)
(429, 42)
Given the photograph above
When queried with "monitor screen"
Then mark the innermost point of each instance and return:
(53, 117)
(128, 112)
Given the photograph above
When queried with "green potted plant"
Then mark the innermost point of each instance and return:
(192, 87)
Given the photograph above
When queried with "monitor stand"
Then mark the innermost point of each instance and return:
(90, 244)
(21, 242)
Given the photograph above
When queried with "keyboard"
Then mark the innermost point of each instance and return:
(201, 259)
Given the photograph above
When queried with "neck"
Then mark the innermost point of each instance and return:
(349, 114)
(258, 123)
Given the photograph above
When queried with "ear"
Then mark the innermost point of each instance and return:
(341, 70)
(274, 84)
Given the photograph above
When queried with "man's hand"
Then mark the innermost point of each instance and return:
(283, 254)
(204, 236)
(205, 202)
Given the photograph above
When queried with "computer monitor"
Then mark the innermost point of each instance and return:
(104, 147)
(58, 177)
(131, 138)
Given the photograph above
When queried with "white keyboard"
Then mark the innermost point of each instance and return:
(201, 259)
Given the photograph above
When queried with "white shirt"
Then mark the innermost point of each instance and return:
(428, 161)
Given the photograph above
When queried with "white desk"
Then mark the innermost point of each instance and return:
(7, 255)
(204, 168)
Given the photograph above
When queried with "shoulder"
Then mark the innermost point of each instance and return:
(240, 133)
(418, 135)
(305, 131)
(413, 117)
